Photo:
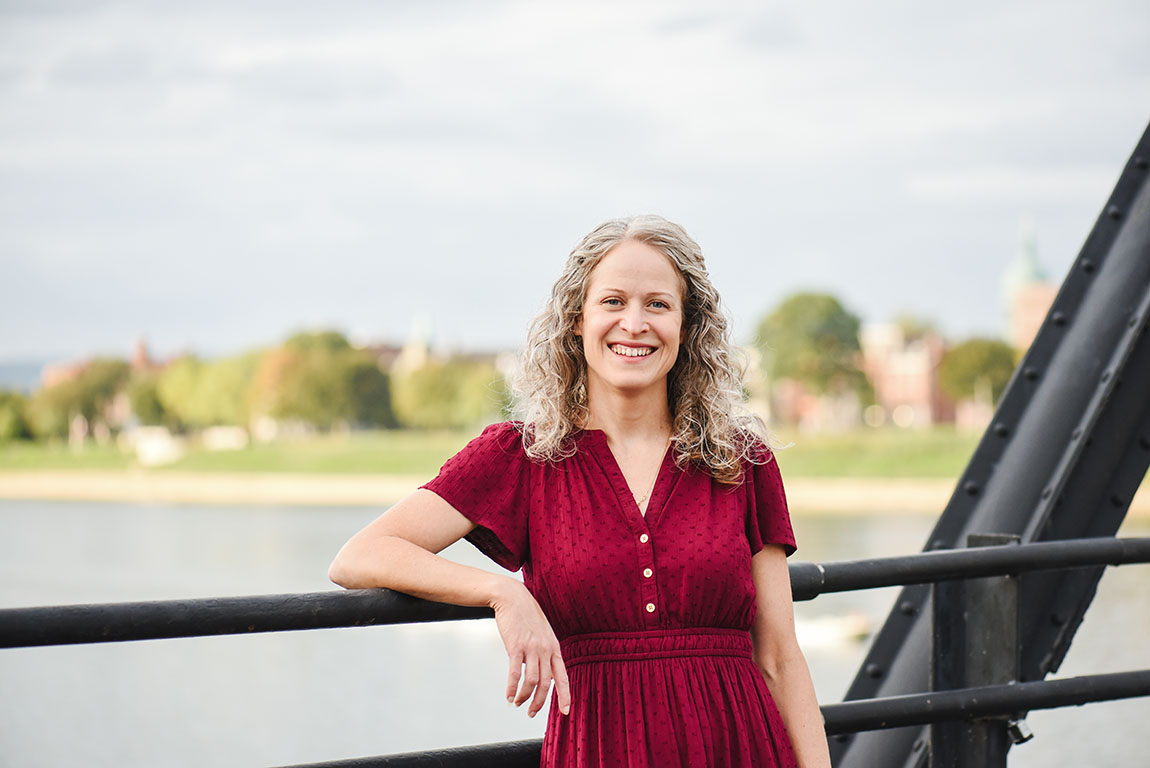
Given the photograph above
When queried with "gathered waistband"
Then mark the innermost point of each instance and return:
(655, 644)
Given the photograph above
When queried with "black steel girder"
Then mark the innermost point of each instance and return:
(1067, 448)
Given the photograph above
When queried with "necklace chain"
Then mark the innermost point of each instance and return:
(640, 499)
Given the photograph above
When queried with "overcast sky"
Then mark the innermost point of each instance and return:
(214, 175)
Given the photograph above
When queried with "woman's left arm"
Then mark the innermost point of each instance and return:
(781, 660)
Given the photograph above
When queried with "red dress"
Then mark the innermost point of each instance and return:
(652, 613)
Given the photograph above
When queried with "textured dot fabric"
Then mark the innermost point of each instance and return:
(653, 613)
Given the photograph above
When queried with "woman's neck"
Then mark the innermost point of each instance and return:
(625, 418)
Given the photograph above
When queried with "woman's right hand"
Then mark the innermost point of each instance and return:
(532, 650)
(397, 551)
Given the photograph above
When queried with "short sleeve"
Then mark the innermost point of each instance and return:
(768, 520)
(488, 483)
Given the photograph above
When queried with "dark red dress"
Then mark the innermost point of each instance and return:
(653, 613)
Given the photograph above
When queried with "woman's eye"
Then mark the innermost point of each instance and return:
(613, 302)
(660, 305)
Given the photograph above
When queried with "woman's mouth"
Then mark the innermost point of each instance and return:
(625, 351)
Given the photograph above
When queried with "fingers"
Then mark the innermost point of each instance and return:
(541, 690)
(562, 686)
(530, 680)
(532, 653)
(513, 675)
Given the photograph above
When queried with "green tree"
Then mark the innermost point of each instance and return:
(370, 392)
(813, 339)
(320, 380)
(973, 364)
(89, 394)
(456, 393)
(144, 397)
(176, 389)
(98, 384)
(13, 423)
(913, 327)
(206, 393)
(50, 410)
(314, 389)
(223, 391)
(311, 341)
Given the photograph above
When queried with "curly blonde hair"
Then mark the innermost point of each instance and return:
(710, 425)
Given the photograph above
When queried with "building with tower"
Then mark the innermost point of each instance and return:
(1027, 294)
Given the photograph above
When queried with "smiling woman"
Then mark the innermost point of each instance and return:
(632, 324)
(649, 519)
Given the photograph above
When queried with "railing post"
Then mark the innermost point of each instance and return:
(975, 643)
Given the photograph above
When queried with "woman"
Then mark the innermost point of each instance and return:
(647, 516)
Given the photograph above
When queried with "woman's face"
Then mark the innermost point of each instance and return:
(632, 320)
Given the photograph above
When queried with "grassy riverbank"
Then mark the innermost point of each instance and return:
(936, 453)
(864, 472)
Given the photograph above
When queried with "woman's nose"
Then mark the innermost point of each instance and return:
(633, 320)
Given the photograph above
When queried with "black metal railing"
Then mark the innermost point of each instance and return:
(120, 622)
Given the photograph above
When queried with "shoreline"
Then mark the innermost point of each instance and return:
(806, 495)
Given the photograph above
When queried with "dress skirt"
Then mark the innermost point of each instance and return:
(675, 697)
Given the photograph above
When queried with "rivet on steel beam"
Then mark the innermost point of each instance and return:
(1087, 266)
(1132, 321)
(1140, 163)
(1030, 373)
(907, 608)
(1114, 212)
(1106, 375)
(971, 488)
(1058, 318)
(1076, 434)
(938, 544)
(873, 671)
(1046, 493)
(918, 745)
(1001, 429)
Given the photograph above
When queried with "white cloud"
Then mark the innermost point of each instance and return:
(1020, 186)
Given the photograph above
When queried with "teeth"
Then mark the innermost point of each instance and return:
(619, 349)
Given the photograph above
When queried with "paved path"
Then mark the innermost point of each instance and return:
(806, 495)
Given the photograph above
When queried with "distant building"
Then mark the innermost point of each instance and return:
(904, 375)
(755, 384)
(59, 373)
(385, 354)
(416, 351)
(1027, 294)
(142, 360)
(794, 404)
(1031, 304)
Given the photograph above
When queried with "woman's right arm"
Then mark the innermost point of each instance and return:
(398, 550)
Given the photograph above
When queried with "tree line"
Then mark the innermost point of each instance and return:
(317, 380)
(321, 381)
(813, 339)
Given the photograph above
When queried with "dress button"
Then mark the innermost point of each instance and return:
(647, 573)
(643, 538)
(650, 607)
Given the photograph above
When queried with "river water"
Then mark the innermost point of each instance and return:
(296, 697)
